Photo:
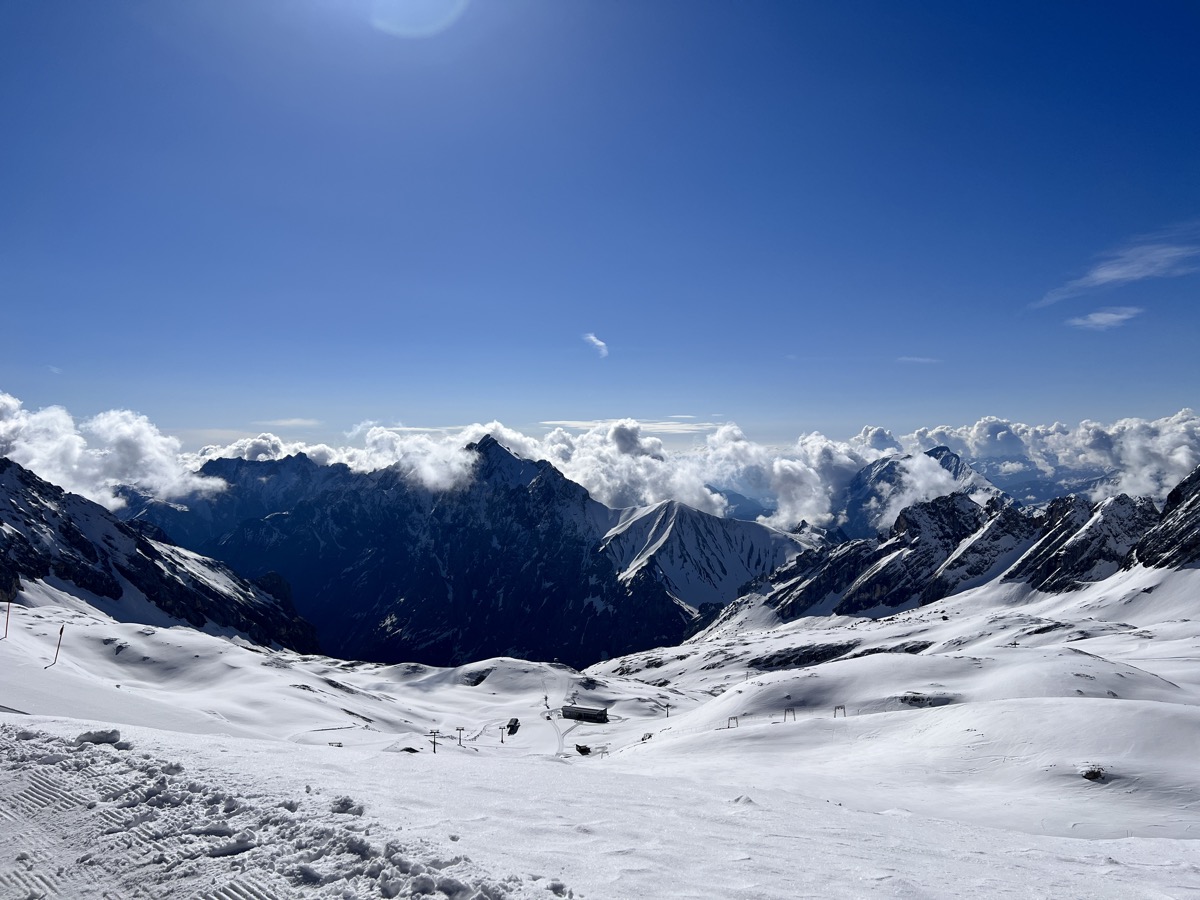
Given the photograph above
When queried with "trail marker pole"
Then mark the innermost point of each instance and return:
(459, 729)
(668, 710)
(7, 616)
(59, 647)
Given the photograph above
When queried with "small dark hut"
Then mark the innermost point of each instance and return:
(585, 714)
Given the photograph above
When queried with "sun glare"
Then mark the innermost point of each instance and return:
(416, 18)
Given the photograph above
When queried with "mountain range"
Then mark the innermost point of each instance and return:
(521, 561)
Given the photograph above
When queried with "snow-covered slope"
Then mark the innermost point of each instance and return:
(1028, 743)
(697, 557)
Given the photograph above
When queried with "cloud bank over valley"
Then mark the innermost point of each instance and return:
(622, 463)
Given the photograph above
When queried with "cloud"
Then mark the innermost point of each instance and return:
(54, 370)
(921, 360)
(601, 347)
(93, 457)
(290, 423)
(875, 440)
(1168, 254)
(924, 479)
(1103, 319)
(1140, 457)
(622, 462)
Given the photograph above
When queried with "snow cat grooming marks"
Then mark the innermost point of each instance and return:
(85, 819)
(242, 889)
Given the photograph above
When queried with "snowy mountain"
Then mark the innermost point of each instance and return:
(905, 569)
(950, 544)
(1031, 484)
(519, 561)
(58, 545)
(1082, 542)
(1174, 542)
(875, 496)
(697, 557)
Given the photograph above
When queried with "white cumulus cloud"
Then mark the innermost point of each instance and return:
(95, 456)
(621, 462)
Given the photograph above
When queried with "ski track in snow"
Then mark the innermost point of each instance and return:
(83, 819)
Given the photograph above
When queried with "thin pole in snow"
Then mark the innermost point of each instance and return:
(459, 729)
(435, 734)
(7, 616)
(59, 647)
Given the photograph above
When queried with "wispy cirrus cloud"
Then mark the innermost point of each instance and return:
(1166, 254)
(670, 425)
(1103, 319)
(917, 360)
(601, 347)
(289, 423)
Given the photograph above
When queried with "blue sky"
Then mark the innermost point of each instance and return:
(791, 215)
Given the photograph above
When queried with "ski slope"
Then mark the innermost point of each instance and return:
(958, 769)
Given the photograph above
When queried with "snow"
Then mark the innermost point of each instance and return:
(241, 773)
(701, 558)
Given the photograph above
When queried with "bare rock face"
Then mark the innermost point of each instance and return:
(1083, 542)
(49, 533)
(951, 544)
(1174, 542)
(876, 575)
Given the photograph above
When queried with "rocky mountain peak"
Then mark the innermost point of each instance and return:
(1174, 541)
(500, 466)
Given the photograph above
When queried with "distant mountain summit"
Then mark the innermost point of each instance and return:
(519, 561)
(64, 542)
(878, 492)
